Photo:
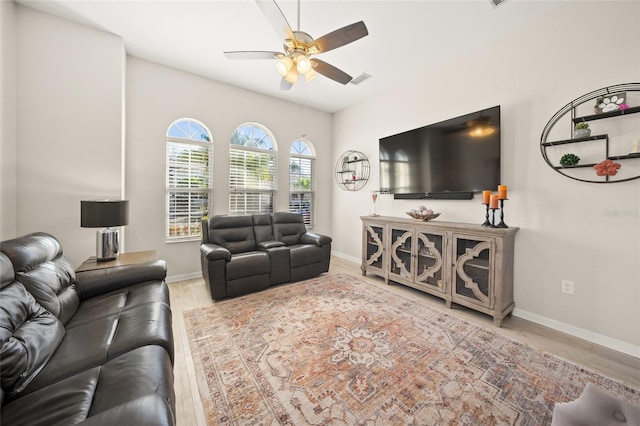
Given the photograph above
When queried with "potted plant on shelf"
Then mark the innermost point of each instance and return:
(568, 160)
(581, 130)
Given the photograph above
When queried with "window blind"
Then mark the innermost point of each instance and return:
(188, 179)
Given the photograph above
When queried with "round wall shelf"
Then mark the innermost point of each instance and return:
(352, 171)
(614, 144)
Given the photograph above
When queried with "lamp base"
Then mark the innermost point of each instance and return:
(107, 245)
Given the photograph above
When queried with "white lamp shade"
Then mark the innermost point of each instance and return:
(303, 64)
(292, 75)
(284, 65)
(311, 74)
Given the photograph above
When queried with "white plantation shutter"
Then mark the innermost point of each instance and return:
(301, 179)
(189, 178)
(252, 170)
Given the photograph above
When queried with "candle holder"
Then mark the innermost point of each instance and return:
(493, 218)
(486, 217)
(502, 224)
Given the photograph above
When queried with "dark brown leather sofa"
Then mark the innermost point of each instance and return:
(93, 348)
(248, 253)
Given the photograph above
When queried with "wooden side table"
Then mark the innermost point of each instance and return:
(130, 258)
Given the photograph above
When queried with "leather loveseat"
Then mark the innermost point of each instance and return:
(92, 348)
(247, 253)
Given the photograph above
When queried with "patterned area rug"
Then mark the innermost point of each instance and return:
(338, 350)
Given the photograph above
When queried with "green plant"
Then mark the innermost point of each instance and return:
(582, 125)
(569, 160)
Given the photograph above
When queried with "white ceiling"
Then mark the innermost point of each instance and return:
(405, 37)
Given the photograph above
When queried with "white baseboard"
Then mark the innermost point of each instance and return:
(599, 339)
(190, 276)
(346, 257)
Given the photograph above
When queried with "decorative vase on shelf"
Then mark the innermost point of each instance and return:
(581, 130)
(581, 133)
(374, 204)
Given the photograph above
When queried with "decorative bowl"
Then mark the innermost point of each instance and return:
(422, 213)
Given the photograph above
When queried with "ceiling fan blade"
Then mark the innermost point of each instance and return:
(342, 36)
(276, 19)
(248, 54)
(285, 85)
(330, 71)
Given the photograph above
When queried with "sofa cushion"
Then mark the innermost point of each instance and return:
(235, 233)
(29, 334)
(135, 388)
(248, 264)
(91, 344)
(262, 227)
(120, 300)
(304, 254)
(288, 227)
(40, 266)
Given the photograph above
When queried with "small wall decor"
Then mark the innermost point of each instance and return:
(581, 130)
(352, 171)
(607, 168)
(569, 160)
(611, 102)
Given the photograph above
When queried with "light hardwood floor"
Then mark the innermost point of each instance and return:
(192, 294)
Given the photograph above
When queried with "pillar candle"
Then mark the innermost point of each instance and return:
(485, 197)
(493, 203)
(502, 192)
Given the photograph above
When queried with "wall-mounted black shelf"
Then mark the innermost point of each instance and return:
(609, 114)
(575, 166)
(624, 157)
(615, 139)
(584, 139)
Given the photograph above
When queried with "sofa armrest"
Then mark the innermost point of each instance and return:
(267, 245)
(313, 238)
(215, 252)
(99, 281)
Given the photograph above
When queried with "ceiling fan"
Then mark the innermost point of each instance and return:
(300, 46)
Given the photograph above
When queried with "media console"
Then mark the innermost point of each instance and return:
(466, 264)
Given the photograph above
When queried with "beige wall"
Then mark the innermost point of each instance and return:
(567, 230)
(69, 125)
(7, 121)
(156, 97)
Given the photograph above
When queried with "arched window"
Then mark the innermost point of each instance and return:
(301, 179)
(252, 170)
(189, 178)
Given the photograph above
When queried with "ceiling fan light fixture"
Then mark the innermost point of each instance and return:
(292, 75)
(311, 74)
(284, 65)
(303, 64)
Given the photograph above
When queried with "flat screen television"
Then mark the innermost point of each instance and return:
(451, 159)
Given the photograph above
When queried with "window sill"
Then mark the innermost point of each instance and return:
(181, 240)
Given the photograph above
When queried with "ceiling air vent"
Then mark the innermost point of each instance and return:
(362, 77)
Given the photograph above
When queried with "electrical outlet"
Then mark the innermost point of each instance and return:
(566, 286)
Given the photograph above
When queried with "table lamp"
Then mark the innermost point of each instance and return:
(105, 214)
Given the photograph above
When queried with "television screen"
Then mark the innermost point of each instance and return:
(457, 155)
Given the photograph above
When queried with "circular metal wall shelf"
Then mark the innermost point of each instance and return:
(610, 140)
(352, 171)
